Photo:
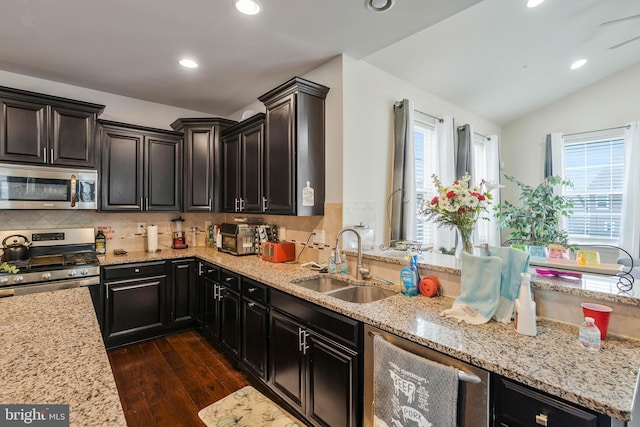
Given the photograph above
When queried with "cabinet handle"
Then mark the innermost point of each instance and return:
(241, 204)
(235, 204)
(141, 204)
(215, 292)
(210, 204)
(252, 290)
(136, 270)
(300, 338)
(200, 265)
(542, 419)
(107, 289)
(305, 347)
(44, 154)
(265, 204)
(251, 304)
(146, 203)
(228, 279)
(51, 158)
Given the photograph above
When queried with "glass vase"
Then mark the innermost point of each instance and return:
(464, 242)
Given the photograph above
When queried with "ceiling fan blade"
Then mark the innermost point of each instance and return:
(623, 43)
(615, 21)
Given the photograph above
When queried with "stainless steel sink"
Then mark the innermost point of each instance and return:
(323, 284)
(361, 294)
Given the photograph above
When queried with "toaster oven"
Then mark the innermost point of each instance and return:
(238, 239)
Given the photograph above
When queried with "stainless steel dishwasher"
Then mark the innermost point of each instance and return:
(473, 389)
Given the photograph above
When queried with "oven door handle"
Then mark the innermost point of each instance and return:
(468, 377)
(74, 183)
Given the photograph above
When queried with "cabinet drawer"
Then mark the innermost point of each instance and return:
(255, 291)
(229, 279)
(135, 270)
(212, 272)
(341, 328)
(517, 405)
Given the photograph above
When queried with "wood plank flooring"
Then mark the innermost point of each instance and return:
(166, 381)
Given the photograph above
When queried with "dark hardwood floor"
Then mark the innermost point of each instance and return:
(166, 381)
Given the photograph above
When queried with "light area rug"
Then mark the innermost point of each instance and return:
(246, 407)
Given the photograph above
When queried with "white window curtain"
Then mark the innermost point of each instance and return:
(404, 209)
(554, 163)
(630, 232)
(445, 169)
(493, 175)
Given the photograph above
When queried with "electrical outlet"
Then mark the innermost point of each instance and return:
(318, 237)
(282, 233)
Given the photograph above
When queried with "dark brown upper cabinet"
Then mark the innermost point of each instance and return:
(141, 168)
(47, 130)
(202, 152)
(294, 149)
(242, 148)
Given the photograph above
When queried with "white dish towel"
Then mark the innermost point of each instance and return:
(410, 390)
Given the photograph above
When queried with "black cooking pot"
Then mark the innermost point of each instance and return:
(15, 251)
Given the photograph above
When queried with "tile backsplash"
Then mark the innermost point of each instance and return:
(122, 231)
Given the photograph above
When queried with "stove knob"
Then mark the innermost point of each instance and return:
(46, 276)
(18, 279)
(4, 280)
(73, 273)
(84, 271)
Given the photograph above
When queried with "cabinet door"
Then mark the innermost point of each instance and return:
(251, 145)
(230, 175)
(121, 184)
(287, 362)
(279, 156)
(198, 170)
(333, 389)
(211, 316)
(23, 131)
(254, 336)
(162, 174)
(72, 137)
(230, 319)
(134, 307)
(182, 300)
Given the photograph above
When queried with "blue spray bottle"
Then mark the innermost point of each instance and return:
(408, 279)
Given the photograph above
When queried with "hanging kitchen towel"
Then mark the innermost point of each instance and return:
(480, 289)
(411, 390)
(514, 262)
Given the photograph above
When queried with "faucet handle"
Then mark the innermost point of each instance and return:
(365, 273)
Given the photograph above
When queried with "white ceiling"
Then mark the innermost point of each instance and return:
(474, 58)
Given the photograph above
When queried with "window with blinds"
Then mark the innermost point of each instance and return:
(424, 139)
(595, 166)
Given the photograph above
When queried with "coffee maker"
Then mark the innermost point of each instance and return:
(179, 240)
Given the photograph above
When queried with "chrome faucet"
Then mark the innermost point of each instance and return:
(361, 272)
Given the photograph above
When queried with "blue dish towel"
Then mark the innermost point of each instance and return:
(480, 289)
(514, 262)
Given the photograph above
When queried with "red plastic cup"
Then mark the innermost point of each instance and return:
(600, 313)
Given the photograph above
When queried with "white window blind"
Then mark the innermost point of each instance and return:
(425, 161)
(594, 163)
(480, 171)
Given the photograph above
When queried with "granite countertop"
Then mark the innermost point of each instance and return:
(551, 362)
(51, 352)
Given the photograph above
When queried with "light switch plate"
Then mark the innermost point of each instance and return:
(318, 237)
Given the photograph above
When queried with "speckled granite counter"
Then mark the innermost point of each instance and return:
(51, 352)
(551, 362)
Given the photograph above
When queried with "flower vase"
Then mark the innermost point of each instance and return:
(464, 242)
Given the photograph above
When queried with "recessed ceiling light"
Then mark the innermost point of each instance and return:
(579, 63)
(380, 5)
(188, 63)
(248, 7)
(534, 3)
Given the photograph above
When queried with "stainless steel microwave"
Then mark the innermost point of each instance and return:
(42, 187)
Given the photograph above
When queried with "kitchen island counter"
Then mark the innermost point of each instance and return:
(51, 352)
(551, 362)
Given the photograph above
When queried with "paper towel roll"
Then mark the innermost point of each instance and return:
(152, 238)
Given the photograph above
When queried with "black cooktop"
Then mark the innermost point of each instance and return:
(56, 261)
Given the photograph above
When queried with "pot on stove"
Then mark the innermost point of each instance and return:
(16, 250)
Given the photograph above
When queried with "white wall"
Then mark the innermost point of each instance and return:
(369, 95)
(611, 102)
(118, 108)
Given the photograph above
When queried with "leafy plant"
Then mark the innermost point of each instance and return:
(535, 220)
(6, 268)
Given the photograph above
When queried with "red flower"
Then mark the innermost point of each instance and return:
(451, 194)
(434, 200)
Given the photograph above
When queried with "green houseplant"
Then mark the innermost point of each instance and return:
(536, 219)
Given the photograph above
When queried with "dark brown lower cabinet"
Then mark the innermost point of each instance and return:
(182, 295)
(211, 311)
(255, 326)
(135, 302)
(229, 300)
(519, 406)
(314, 374)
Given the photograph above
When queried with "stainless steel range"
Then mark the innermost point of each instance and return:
(56, 259)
